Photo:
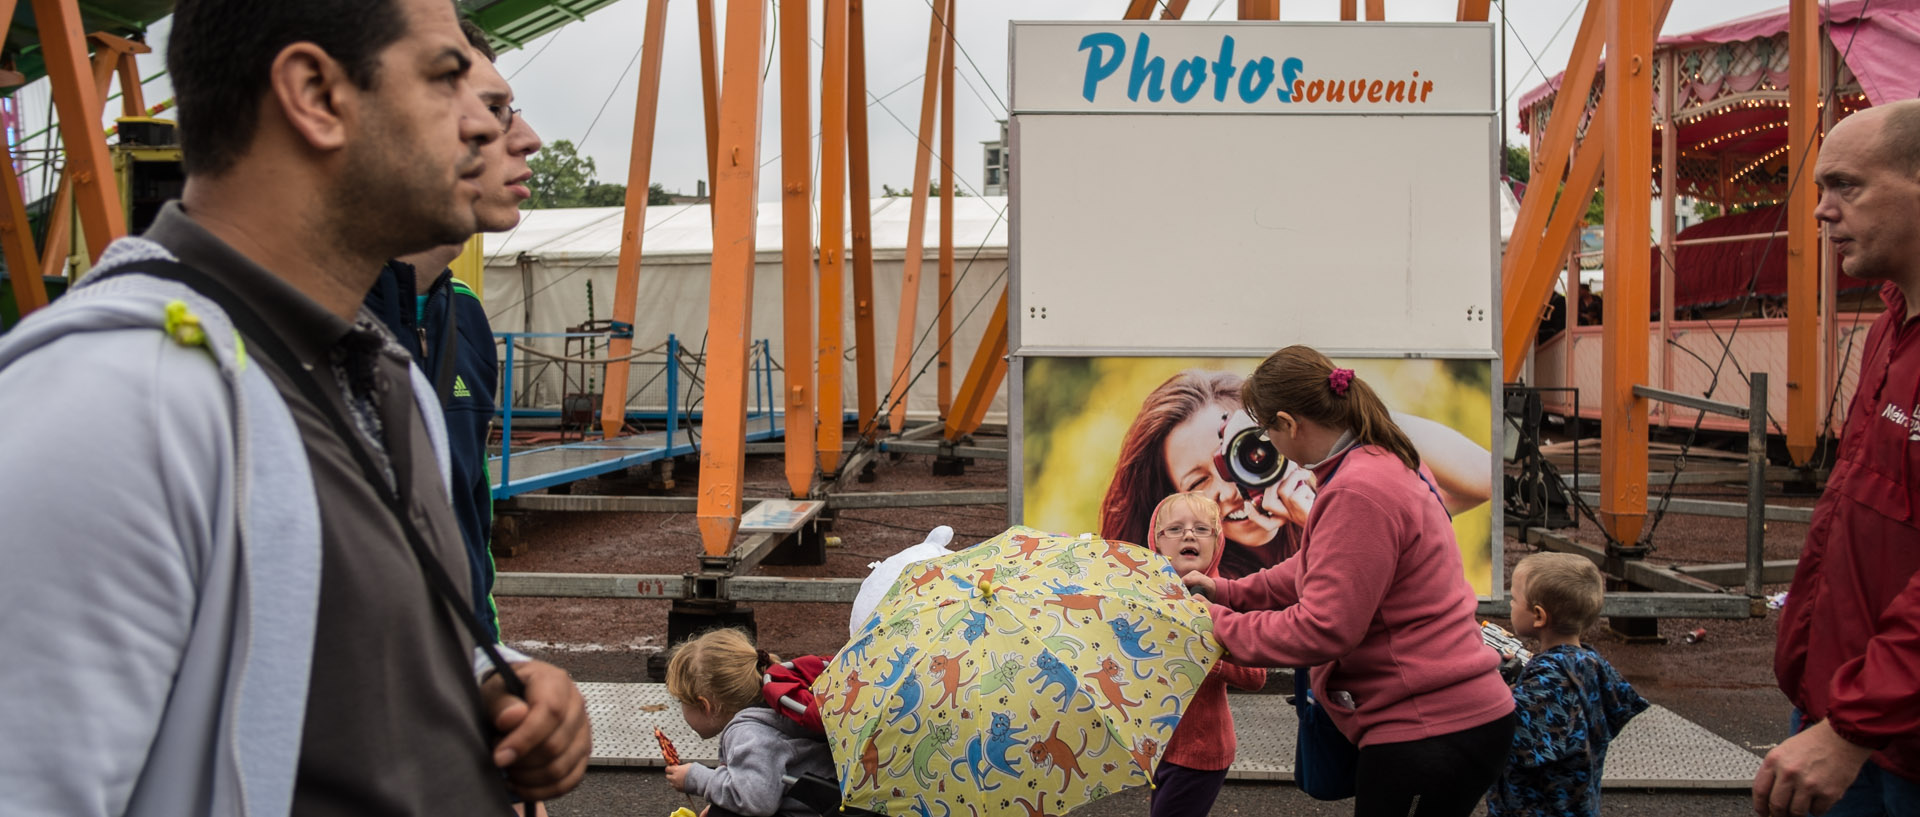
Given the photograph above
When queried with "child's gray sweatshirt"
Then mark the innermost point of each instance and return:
(757, 747)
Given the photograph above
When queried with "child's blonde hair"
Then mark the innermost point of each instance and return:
(722, 666)
(1568, 587)
(1197, 503)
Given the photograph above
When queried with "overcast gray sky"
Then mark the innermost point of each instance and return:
(579, 82)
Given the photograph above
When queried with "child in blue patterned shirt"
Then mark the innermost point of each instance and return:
(1569, 702)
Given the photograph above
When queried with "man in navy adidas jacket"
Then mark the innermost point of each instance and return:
(442, 321)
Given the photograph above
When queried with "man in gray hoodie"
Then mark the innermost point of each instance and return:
(224, 584)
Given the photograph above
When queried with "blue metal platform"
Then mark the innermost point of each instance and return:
(519, 472)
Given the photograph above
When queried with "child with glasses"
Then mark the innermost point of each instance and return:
(1186, 530)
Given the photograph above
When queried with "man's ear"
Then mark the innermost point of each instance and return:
(309, 89)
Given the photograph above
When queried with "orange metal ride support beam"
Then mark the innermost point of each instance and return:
(1520, 303)
(710, 93)
(943, 373)
(633, 222)
(1537, 273)
(833, 233)
(796, 244)
(16, 235)
(1803, 233)
(1172, 10)
(1259, 9)
(989, 367)
(1629, 166)
(1138, 10)
(1470, 11)
(1376, 10)
(1349, 10)
(16, 240)
(860, 207)
(730, 302)
(56, 244)
(133, 101)
(79, 103)
(916, 228)
(1527, 278)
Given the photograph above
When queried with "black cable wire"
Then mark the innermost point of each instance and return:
(962, 48)
(1523, 47)
(536, 55)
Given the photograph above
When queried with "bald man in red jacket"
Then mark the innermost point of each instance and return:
(1848, 655)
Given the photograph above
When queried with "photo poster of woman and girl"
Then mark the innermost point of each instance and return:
(1106, 438)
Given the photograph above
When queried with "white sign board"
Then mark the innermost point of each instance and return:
(1234, 188)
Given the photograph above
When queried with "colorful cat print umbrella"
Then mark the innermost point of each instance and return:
(1026, 675)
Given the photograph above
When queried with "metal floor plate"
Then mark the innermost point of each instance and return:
(1658, 749)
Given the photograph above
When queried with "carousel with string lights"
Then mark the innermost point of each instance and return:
(1722, 174)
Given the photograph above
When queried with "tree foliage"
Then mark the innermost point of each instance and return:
(933, 191)
(1519, 164)
(564, 178)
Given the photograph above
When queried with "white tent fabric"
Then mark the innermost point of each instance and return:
(563, 258)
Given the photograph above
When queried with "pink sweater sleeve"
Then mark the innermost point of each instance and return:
(1343, 575)
(1271, 588)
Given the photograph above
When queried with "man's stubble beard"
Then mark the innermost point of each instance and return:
(396, 201)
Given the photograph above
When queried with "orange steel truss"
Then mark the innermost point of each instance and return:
(633, 221)
(865, 362)
(833, 178)
(1803, 233)
(89, 168)
(943, 366)
(730, 303)
(87, 184)
(1629, 164)
(796, 254)
(916, 228)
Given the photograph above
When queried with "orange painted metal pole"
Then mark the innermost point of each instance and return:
(943, 374)
(723, 429)
(16, 240)
(710, 92)
(833, 234)
(16, 234)
(970, 422)
(633, 221)
(1629, 163)
(860, 208)
(88, 165)
(1259, 9)
(980, 384)
(1173, 9)
(57, 245)
(1669, 159)
(796, 244)
(1537, 272)
(116, 56)
(1376, 10)
(1549, 162)
(1138, 10)
(1349, 10)
(1803, 233)
(1470, 11)
(916, 230)
(133, 100)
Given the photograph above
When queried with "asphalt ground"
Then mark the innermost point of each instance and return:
(1724, 682)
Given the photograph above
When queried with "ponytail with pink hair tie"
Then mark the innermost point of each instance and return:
(1339, 380)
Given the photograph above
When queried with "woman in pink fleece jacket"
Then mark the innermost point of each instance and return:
(1375, 602)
